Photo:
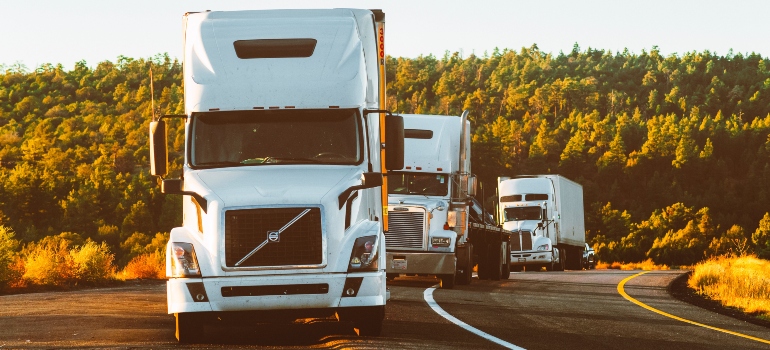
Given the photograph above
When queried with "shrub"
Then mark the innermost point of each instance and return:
(93, 262)
(48, 262)
(8, 257)
(146, 266)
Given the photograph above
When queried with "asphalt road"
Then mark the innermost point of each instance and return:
(532, 310)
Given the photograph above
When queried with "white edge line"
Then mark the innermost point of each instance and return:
(428, 295)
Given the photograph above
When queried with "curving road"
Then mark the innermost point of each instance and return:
(533, 310)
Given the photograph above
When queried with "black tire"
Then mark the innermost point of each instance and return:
(465, 276)
(391, 276)
(189, 327)
(367, 320)
(483, 262)
(447, 281)
(517, 268)
(562, 257)
(496, 263)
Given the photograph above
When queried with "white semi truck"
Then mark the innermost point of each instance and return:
(429, 207)
(286, 141)
(545, 214)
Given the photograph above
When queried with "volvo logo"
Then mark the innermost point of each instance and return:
(274, 236)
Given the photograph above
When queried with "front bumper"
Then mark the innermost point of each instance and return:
(421, 263)
(531, 257)
(284, 292)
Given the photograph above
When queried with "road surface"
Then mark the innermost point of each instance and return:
(531, 310)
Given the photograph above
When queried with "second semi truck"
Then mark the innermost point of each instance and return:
(429, 202)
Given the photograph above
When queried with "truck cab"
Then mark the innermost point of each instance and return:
(428, 200)
(545, 213)
(524, 206)
(283, 165)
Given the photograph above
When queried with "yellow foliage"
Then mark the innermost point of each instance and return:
(145, 266)
(49, 264)
(647, 265)
(741, 282)
(52, 263)
(93, 262)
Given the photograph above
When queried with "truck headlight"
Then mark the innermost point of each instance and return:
(544, 247)
(364, 254)
(184, 263)
(440, 241)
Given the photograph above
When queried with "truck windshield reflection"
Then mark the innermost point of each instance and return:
(411, 183)
(523, 213)
(245, 138)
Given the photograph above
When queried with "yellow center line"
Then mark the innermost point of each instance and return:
(637, 302)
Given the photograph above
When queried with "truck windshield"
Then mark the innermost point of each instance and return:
(243, 138)
(423, 184)
(522, 213)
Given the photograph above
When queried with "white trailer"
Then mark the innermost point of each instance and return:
(283, 168)
(428, 206)
(545, 214)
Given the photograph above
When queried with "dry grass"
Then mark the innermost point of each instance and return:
(145, 266)
(647, 265)
(740, 282)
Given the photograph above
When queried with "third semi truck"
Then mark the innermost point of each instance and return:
(545, 213)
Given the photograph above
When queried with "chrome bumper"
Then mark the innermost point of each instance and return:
(421, 263)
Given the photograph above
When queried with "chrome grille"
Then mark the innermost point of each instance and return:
(516, 247)
(405, 229)
(299, 244)
(526, 240)
(522, 241)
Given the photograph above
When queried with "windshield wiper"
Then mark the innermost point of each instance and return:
(219, 164)
(273, 160)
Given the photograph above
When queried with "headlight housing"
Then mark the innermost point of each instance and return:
(184, 263)
(440, 241)
(544, 247)
(364, 254)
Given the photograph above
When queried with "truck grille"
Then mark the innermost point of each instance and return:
(522, 241)
(526, 240)
(405, 229)
(298, 244)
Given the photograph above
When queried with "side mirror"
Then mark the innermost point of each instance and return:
(472, 185)
(158, 151)
(171, 186)
(372, 180)
(394, 142)
(369, 180)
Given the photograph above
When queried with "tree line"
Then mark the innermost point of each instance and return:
(673, 152)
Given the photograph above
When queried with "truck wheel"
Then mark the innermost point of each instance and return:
(189, 327)
(465, 276)
(559, 266)
(496, 264)
(367, 320)
(483, 270)
(516, 268)
(447, 281)
(391, 276)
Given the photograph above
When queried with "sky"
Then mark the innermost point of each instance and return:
(35, 32)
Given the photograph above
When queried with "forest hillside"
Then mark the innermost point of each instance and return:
(673, 152)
